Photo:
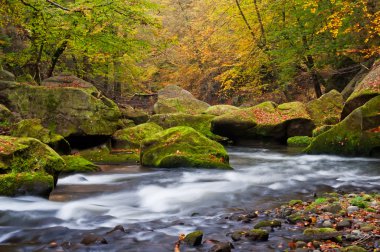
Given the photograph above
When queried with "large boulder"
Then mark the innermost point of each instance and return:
(218, 110)
(201, 122)
(27, 167)
(138, 116)
(6, 76)
(183, 147)
(105, 155)
(366, 89)
(327, 109)
(64, 110)
(33, 128)
(67, 81)
(131, 138)
(76, 163)
(265, 120)
(357, 134)
(173, 99)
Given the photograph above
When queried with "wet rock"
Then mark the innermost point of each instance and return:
(118, 228)
(221, 247)
(173, 99)
(76, 164)
(327, 224)
(268, 223)
(332, 208)
(183, 147)
(194, 238)
(93, 239)
(321, 234)
(343, 224)
(297, 217)
(218, 110)
(352, 209)
(257, 235)
(237, 235)
(367, 227)
(301, 244)
(138, 116)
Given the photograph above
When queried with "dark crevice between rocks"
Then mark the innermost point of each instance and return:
(355, 103)
(87, 142)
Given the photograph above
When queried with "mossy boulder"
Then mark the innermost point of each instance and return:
(33, 128)
(322, 234)
(266, 120)
(132, 137)
(201, 122)
(173, 99)
(105, 155)
(183, 147)
(268, 223)
(5, 113)
(257, 235)
(319, 130)
(353, 249)
(357, 134)
(327, 109)
(218, 110)
(194, 238)
(75, 164)
(299, 141)
(365, 90)
(138, 116)
(64, 110)
(25, 160)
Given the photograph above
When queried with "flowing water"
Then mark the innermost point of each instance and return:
(155, 205)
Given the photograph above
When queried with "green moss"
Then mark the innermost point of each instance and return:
(353, 249)
(352, 136)
(295, 202)
(258, 235)
(183, 147)
(320, 201)
(180, 105)
(317, 231)
(359, 202)
(34, 183)
(133, 136)
(194, 238)
(106, 156)
(79, 164)
(326, 109)
(201, 123)
(299, 141)
(218, 110)
(268, 223)
(70, 110)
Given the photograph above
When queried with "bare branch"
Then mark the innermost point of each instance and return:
(29, 5)
(57, 5)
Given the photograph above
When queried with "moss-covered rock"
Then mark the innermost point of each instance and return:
(201, 123)
(268, 223)
(33, 128)
(353, 249)
(67, 80)
(75, 164)
(138, 116)
(322, 234)
(104, 155)
(257, 235)
(327, 109)
(319, 130)
(26, 183)
(5, 113)
(131, 138)
(365, 90)
(194, 238)
(30, 158)
(173, 99)
(357, 134)
(64, 110)
(218, 110)
(265, 120)
(183, 147)
(299, 141)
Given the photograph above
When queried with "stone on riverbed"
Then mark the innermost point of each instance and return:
(194, 238)
(183, 147)
(76, 164)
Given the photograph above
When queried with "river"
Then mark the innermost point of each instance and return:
(156, 205)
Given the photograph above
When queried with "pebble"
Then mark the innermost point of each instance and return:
(352, 209)
(327, 224)
(374, 204)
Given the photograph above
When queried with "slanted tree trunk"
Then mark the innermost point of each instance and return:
(56, 56)
(37, 70)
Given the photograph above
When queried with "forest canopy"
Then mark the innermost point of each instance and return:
(244, 46)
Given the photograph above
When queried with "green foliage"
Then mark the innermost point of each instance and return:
(320, 201)
(359, 202)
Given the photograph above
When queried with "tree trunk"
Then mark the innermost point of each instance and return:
(245, 19)
(263, 36)
(56, 56)
(37, 73)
